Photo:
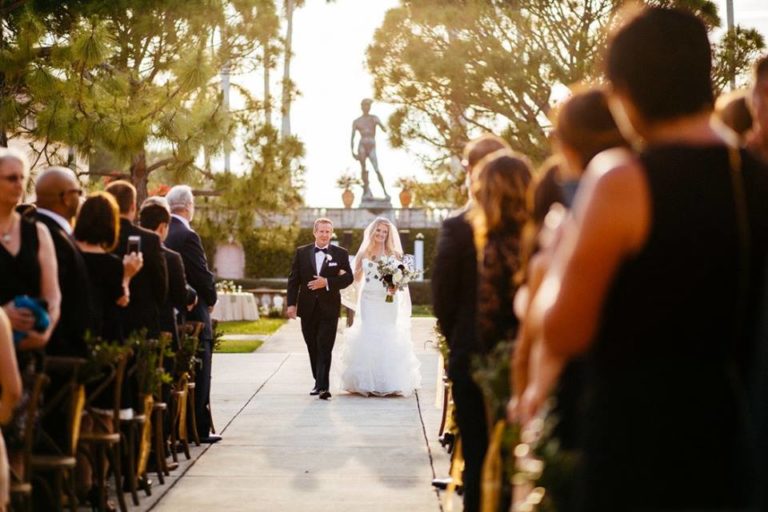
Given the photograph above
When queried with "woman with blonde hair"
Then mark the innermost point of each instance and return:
(378, 356)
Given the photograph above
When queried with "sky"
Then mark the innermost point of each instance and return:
(328, 68)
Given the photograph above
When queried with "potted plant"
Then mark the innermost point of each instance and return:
(406, 185)
(345, 182)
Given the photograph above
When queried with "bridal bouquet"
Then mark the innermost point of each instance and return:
(395, 274)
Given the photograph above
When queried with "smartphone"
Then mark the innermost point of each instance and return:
(134, 244)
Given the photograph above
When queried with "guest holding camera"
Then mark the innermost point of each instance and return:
(150, 286)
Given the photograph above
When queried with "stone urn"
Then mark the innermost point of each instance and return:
(347, 198)
(406, 197)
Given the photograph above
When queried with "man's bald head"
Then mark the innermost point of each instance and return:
(58, 190)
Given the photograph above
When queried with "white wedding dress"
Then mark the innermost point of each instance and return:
(378, 357)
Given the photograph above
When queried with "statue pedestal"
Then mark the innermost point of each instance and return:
(375, 204)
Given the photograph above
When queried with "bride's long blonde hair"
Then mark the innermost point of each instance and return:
(392, 244)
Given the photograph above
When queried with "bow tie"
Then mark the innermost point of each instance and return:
(317, 249)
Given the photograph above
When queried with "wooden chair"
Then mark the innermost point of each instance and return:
(158, 415)
(179, 404)
(21, 484)
(108, 445)
(193, 329)
(61, 460)
(132, 432)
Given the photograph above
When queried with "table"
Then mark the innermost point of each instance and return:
(235, 306)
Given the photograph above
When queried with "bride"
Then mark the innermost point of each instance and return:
(378, 358)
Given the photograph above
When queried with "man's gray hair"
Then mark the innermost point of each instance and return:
(180, 197)
(15, 154)
(156, 201)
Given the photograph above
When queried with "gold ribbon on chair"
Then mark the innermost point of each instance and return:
(493, 472)
(456, 472)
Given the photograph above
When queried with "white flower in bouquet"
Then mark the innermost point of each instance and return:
(395, 274)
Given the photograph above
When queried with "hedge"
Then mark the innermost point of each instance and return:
(421, 291)
(269, 252)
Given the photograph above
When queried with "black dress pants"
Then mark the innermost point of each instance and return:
(320, 335)
(473, 428)
(203, 388)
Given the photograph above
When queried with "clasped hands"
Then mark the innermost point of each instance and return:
(319, 282)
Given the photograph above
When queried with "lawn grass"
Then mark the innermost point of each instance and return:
(238, 346)
(260, 326)
(422, 310)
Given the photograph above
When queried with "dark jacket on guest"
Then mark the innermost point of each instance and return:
(180, 294)
(67, 338)
(150, 286)
(188, 244)
(454, 291)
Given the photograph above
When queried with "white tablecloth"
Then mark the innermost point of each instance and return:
(235, 306)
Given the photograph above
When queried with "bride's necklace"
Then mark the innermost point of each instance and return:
(5, 236)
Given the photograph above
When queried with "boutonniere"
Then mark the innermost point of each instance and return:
(328, 257)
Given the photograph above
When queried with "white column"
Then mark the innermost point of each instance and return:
(418, 252)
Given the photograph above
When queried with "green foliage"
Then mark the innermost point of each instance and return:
(269, 251)
(122, 76)
(260, 326)
(149, 353)
(102, 354)
(456, 68)
(185, 357)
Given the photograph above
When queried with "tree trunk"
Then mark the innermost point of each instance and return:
(140, 176)
(267, 93)
(285, 130)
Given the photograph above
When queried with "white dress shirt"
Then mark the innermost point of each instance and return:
(319, 258)
(61, 221)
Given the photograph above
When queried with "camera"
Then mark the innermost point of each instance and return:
(134, 244)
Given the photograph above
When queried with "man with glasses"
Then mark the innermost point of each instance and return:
(58, 200)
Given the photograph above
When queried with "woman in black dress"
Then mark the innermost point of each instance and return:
(656, 279)
(97, 231)
(27, 257)
(498, 215)
(27, 267)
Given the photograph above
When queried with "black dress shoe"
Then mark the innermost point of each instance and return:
(213, 438)
(314, 392)
(441, 483)
(325, 395)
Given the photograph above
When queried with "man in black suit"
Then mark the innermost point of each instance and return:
(182, 239)
(149, 287)
(155, 215)
(454, 298)
(319, 272)
(58, 199)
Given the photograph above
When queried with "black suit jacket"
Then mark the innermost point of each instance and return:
(187, 243)
(150, 286)
(454, 291)
(67, 338)
(323, 302)
(180, 294)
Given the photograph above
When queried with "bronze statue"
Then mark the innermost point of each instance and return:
(366, 149)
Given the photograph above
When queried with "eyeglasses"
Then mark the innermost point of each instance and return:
(78, 190)
(13, 178)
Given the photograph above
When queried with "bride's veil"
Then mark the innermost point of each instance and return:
(351, 299)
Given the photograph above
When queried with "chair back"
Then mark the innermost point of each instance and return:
(115, 377)
(30, 425)
(69, 396)
(182, 388)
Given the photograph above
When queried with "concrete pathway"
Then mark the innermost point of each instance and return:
(286, 451)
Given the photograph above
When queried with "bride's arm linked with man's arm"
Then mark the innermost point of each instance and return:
(345, 275)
